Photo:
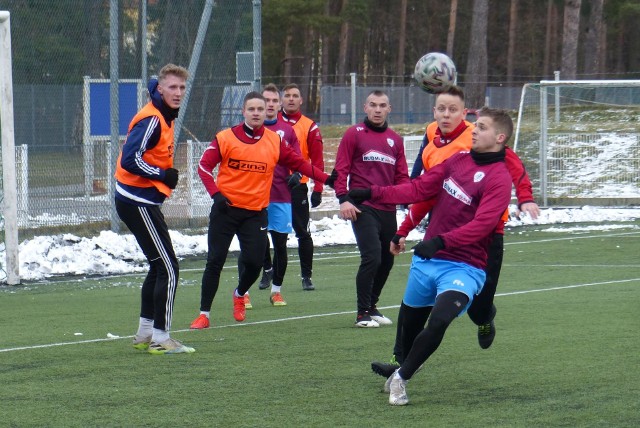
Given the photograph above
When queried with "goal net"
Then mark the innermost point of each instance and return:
(580, 141)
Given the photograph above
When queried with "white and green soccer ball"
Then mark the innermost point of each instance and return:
(435, 72)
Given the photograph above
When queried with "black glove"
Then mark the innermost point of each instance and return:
(426, 249)
(316, 198)
(332, 179)
(294, 180)
(396, 239)
(220, 202)
(170, 178)
(360, 195)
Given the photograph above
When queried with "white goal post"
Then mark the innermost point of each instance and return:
(580, 141)
(10, 186)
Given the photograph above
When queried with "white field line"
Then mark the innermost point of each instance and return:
(323, 315)
(342, 256)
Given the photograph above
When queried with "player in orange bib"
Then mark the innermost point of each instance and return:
(145, 177)
(246, 156)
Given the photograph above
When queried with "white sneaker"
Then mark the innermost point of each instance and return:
(397, 390)
(366, 321)
(169, 346)
(377, 316)
(387, 383)
(141, 342)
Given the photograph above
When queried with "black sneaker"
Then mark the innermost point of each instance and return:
(307, 285)
(486, 334)
(384, 369)
(265, 282)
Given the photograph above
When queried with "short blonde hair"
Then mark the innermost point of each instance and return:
(172, 69)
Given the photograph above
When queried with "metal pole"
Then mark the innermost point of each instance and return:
(557, 99)
(115, 103)
(193, 66)
(520, 112)
(353, 98)
(544, 122)
(87, 143)
(143, 45)
(257, 44)
(10, 185)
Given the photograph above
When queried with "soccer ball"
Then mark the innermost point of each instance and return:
(435, 72)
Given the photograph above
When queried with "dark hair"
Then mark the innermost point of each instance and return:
(454, 90)
(271, 87)
(501, 119)
(290, 86)
(377, 93)
(251, 96)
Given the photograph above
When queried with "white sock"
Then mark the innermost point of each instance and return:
(145, 327)
(275, 288)
(205, 313)
(238, 295)
(159, 335)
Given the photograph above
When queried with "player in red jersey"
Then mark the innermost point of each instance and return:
(279, 210)
(247, 155)
(472, 190)
(310, 140)
(371, 154)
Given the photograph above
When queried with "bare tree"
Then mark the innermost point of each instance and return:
(288, 57)
(344, 44)
(452, 27)
(593, 38)
(325, 41)
(570, 35)
(513, 20)
(402, 36)
(476, 77)
(548, 38)
(93, 11)
(168, 39)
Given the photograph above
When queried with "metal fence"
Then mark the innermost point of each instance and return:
(66, 185)
(64, 178)
(409, 104)
(58, 198)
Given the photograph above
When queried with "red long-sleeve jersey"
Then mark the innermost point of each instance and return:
(366, 157)
(470, 201)
(310, 140)
(519, 178)
(253, 196)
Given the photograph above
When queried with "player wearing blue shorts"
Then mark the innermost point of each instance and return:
(429, 278)
(279, 210)
(472, 189)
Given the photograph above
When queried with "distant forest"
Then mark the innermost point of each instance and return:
(505, 42)
(320, 42)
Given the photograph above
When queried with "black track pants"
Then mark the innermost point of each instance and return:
(148, 226)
